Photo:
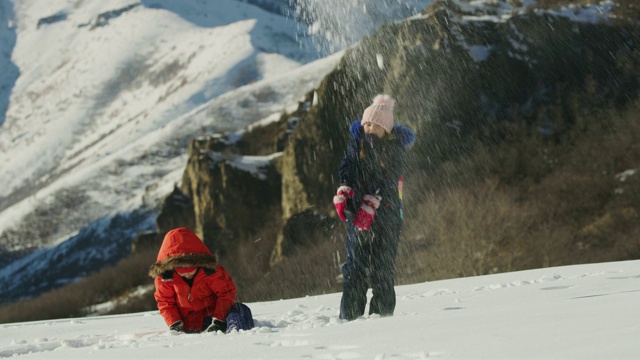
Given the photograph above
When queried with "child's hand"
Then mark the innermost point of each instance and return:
(366, 213)
(340, 200)
(217, 325)
(176, 326)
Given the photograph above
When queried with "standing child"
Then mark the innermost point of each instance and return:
(193, 292)
(370, 201)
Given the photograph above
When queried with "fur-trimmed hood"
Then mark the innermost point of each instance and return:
(401, 132)
(182, 248)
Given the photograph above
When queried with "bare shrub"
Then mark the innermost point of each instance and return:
(533, 200)
(249, 261)
(473, 230)
(310, 269)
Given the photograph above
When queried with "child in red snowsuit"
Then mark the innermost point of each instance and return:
(193, 292)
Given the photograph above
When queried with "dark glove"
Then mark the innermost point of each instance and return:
(340, 201)
(217, 325)
(366, 212)
(176, 326)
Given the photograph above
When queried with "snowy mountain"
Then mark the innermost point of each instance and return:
(88, 97)
(98, 101)
(574, 312)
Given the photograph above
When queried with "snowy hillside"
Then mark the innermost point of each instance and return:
(87, 105)
(575, 312)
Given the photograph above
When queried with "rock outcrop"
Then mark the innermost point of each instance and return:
(233, 195)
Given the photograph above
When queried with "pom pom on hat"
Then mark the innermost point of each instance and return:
(380, 112)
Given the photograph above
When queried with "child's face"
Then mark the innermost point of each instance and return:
(189, 275)
(375, 129)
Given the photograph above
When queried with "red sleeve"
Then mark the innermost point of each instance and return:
(225, 290)
(166, 299)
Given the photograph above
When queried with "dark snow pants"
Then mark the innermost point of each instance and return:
(239, 318)
(370, 258)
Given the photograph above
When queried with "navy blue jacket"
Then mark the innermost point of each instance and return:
(374, 166)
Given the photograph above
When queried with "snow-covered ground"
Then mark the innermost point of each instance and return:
(574, 312)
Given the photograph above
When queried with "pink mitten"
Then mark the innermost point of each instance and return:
(340, 200)
(366, 212)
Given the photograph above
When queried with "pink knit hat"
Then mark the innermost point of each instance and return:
(380, 112)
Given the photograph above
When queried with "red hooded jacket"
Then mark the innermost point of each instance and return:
(211, 293)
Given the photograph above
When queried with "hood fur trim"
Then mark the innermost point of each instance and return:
(204, 261)
(405, 135)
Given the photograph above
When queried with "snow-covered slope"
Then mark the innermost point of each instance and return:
(87, 103)
(574, 312)
(91, 93)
